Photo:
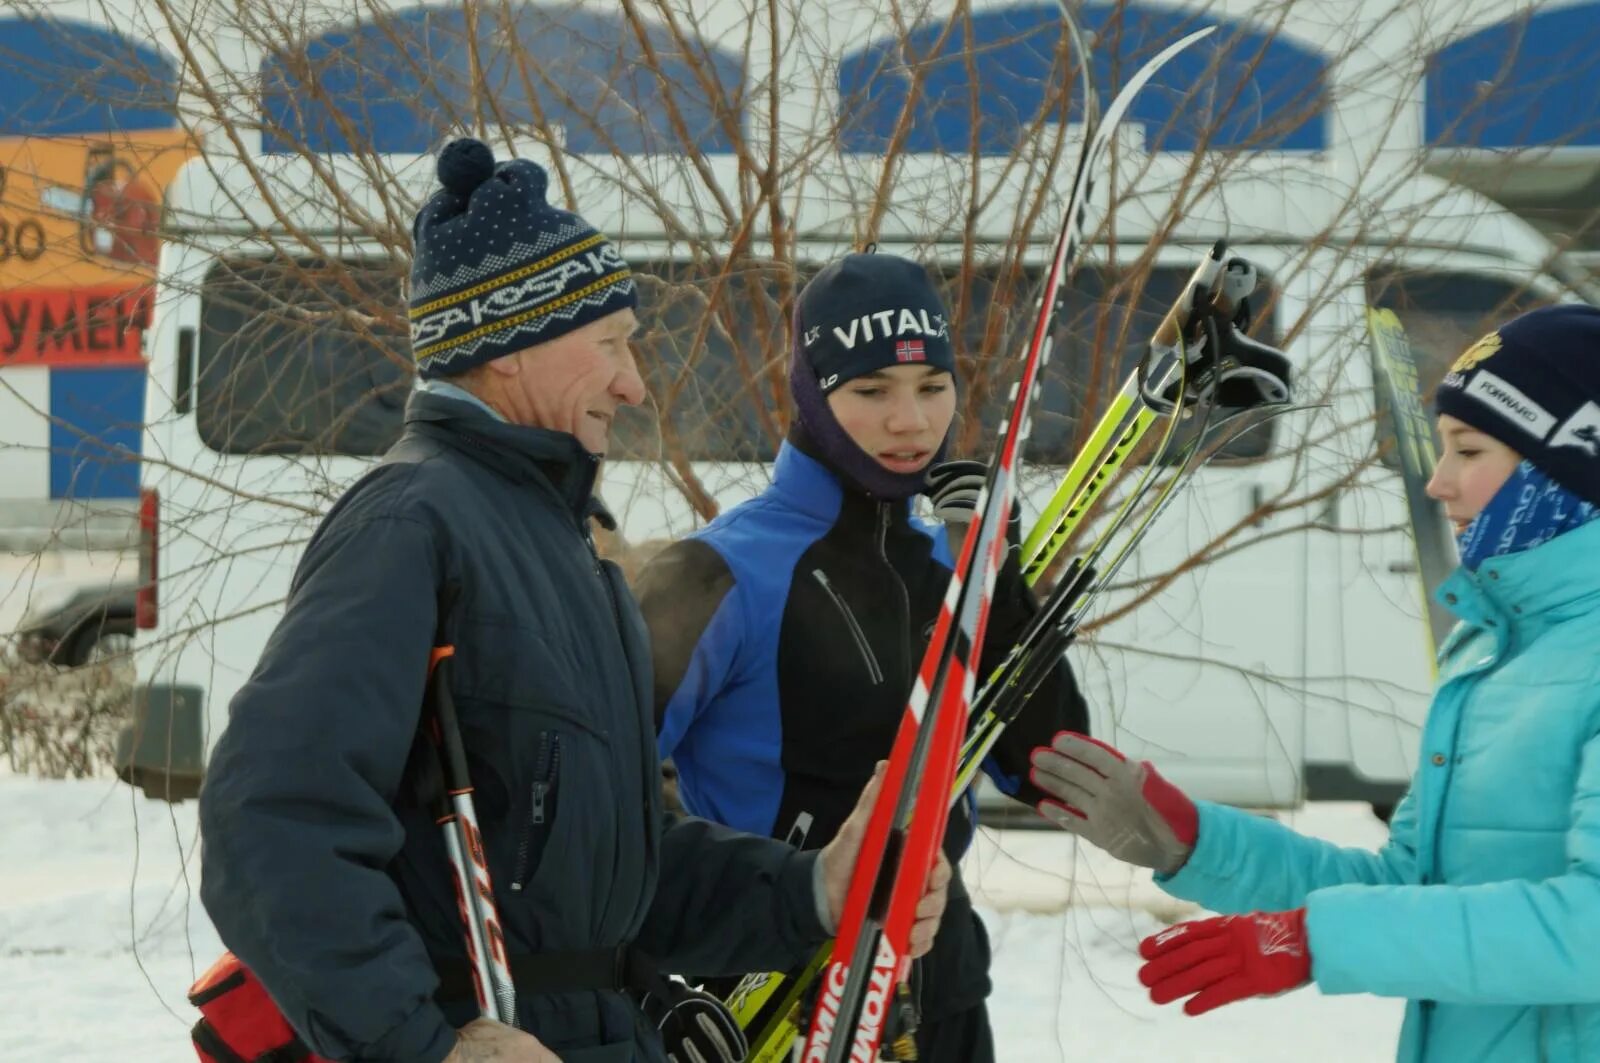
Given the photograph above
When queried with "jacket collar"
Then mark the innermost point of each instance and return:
(554, 460)
(1550, 582)
(808, 485)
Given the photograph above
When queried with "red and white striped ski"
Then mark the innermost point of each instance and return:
(865, 979)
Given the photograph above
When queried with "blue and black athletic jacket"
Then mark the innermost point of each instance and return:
(786, 635)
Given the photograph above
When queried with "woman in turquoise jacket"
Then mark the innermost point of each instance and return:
(1483, 910)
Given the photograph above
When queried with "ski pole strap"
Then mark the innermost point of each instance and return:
(621, 968)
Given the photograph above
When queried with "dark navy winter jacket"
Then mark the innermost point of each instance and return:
(786, 636)
(322, 872)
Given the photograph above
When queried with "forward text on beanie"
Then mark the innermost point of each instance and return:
(497, 269)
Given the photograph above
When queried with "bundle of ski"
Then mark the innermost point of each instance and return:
(1184, 374)
(866, 975)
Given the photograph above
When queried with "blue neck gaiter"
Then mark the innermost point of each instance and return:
(1530, 508)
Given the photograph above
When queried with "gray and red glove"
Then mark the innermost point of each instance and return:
(1127, 809)
(1226, 959)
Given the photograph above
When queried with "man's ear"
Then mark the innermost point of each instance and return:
(506, 366)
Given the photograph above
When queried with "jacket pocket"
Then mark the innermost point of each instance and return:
(538, 819)
(566, 819)
(859, 636)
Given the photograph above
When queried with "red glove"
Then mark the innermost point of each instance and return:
(1223, 960)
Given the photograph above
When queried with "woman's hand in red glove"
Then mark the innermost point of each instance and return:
(1223, 960)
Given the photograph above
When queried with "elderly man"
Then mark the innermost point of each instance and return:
(323, 872)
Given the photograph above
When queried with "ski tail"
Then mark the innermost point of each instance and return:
(768, 1006)
(1431, 540)
(871, 958)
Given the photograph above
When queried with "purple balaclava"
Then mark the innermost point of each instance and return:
(863, 313)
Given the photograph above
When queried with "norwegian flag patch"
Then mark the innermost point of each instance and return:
(910, 351)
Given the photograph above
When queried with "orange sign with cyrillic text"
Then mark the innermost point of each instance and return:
(80, 232)
(75, 326)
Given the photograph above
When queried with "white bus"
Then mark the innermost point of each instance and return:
(1278, 650)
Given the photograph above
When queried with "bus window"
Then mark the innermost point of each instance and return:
(708, 369)
(297, 357)
(1443, 312)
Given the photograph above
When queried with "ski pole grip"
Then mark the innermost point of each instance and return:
(1203, 281)
(1237, 284)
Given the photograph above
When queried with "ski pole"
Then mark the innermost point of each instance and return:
(486, 945)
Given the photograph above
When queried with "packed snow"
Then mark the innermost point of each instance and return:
(101, 933)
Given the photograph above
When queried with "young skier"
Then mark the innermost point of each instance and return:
(787, 633)
(1483, 910)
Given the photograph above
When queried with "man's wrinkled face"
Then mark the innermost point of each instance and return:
(576, 383)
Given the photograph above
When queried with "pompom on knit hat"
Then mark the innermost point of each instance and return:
(497, 269)
(1534, 385)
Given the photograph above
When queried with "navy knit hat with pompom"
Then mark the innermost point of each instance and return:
(497, 269)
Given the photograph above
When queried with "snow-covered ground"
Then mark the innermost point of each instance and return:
(1065, 922)
(101, 932)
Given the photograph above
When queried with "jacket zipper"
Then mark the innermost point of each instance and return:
(646, 743)
(546, 766)
(855, 628)
(900, 586)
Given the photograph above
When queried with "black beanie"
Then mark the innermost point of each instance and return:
(497, 269)
(867, 312)
(1534, 384)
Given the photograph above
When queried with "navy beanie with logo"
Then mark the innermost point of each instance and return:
(497, 269)
(867, 312)
(863, 313)
(1534, 385)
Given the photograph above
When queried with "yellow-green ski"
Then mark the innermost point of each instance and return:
(768, 1007)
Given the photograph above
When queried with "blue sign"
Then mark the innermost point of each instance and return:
(986, 85)
(1531, 80)
(400, 84)
(71, 78)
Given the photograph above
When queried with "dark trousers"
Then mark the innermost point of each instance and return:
(963, 1037)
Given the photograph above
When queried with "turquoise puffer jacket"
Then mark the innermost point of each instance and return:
(1483, 910)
